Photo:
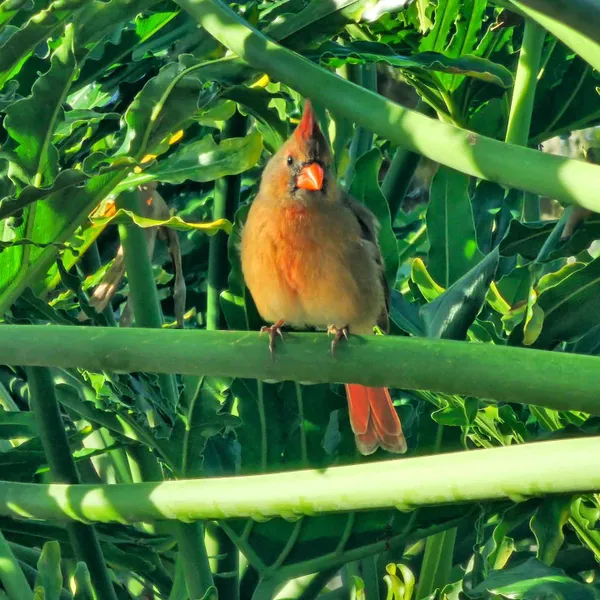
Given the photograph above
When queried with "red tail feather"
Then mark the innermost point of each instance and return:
(374, 420)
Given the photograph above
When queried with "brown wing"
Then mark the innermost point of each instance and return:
(370, 228)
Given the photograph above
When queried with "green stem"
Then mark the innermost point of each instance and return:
(365, 76)
(397, 180)
(317, 583)
(227, 562)
(531, 207)
(146, 309)
(437, 563)
(556, 467)
(90, 263)
(543, 378)
(521, 108)
(554, 238)
(302, 431)
(142, 289)
(227, 192)
(54, 439)
(523, 168)
(12, 577)
(198, 578)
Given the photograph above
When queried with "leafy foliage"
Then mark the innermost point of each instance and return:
(99, 97)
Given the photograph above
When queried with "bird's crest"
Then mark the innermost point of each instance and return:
(309, 125)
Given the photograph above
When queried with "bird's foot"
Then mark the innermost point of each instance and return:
(338, 334)
(273, 331)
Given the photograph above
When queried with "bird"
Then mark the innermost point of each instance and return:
(310, 257)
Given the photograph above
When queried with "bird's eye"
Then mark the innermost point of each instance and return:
(290, 160)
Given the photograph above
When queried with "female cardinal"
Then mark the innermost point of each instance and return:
(310, 256)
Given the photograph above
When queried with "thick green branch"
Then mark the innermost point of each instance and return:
(530, 170)
(556, 467)
(556, 380)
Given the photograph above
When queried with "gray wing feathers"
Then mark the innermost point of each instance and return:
(370, 229)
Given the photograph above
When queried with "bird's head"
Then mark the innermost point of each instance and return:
(302, 169)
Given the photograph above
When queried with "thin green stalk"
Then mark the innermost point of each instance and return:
(554, 238)
(556, 467)
(90, 263)
(523, 168)
(397, 180)
(12, 577)
(365, 76)
(300, 403)
(317, 583)
(439, 550)
(55, 443)
(531, 207)
(370, 577)
(437, 563)
(227, 192)
(521, 108)
(543, 378)
(146, 310)
(198, 577)
(142, 289)
(227, 561)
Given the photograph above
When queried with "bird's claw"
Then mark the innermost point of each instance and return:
(273, 331)
(338, 334)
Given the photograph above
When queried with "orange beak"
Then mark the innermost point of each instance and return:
(311, 177)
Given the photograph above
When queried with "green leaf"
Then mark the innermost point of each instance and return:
(527, 239)
(421, 277)
(204, 160)
(8, 10)
(487, 202)
(83, 583)
(365, 188)
(451, 314)
(23, 41)
(405, 314)
(423, 10)
(257, 102)
(317, 20)
(199, 418)
(76, 118)
(570, 308)
(532, 580)
(334, 55)
(52, 222)
(126, 216)
(453, 243)
(125, 49)
(31, 122)
(547, 525)
(49, 575)
(65, 180)
(164, 105)
(14, 424)
(566, 97)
